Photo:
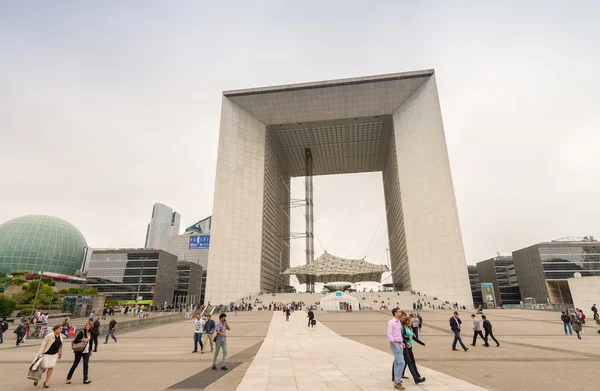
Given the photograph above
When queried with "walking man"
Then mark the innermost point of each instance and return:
(566, 323)
(209, 330)
(477, 331)
(594, 311)
(112, 325)
(199, 325)
(487, 326)
(104, 311)
(221, 341)
(95, 333)
(311, 317)
(394, 336)
(3, 328)
(287, 315)
(455, 323)
(20, 331)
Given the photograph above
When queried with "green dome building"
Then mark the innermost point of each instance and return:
(45, 243)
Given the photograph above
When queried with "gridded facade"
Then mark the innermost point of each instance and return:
(475, 285)
(41, 243)
(189, 284)
(501, 272)
(276, 223)
(125, 274)
(346, 124)
(395, 220)
(543, 269)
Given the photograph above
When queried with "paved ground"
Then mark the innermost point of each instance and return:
(296, 357)
(534, 353)
(151, 359)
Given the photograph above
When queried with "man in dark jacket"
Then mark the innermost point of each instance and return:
(3, 328)
(455, 323)
(487, 326)
(95, 333)
(566, 322)
(311, 316)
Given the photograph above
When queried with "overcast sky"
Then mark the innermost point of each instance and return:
(107, 107)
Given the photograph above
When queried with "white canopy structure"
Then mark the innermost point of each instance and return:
(329, 268)
(338, 301)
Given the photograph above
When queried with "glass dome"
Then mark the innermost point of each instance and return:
(45, 243)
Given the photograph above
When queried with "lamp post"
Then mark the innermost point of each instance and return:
(36, 294)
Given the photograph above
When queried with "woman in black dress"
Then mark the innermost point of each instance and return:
(84, 335)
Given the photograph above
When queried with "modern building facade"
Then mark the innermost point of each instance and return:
(202, 226)
(543, 269)
(389, 123)
(164, 222)
(189, 247)
(41, 243)
(475, 285)
(500, 271)
(189, 284)
(131, 276)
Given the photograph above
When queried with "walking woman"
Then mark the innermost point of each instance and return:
(84, 335)
(576, 325)
(409, 336)
(51, 351)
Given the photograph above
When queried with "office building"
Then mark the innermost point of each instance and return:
(130, 276)
(189, 284)
(189, 247)
(475, 285)
(500, 272)
(164, 223)
(543, 269)
(388, 123)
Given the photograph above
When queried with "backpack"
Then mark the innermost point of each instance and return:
(4, 326)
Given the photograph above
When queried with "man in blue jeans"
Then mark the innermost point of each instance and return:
(112, 325)
(455, 323)
(566, 322)
(199, 328)
(3, 328)
(394, 336)
(221, 341)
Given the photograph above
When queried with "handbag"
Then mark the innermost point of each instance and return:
(35, 369)
(79, 346)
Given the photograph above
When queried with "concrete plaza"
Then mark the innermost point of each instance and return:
(345, 351)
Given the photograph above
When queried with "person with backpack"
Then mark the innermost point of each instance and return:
(576, 323)
(566, 322)
(3, 328)
(95, 334)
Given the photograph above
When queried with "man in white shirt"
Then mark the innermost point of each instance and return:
(199, 328)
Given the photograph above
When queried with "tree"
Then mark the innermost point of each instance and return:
(19, 273)
(7, 305)
(75, 291)
(90, 291)
(46, 294)
(17, 281)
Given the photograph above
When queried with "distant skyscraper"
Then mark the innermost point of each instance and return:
(165, 222)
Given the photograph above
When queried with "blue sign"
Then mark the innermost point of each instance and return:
(338, 293)
(199, 242)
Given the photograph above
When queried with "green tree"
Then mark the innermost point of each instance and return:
(17, 281)
(7, 305)
(63, 292)
(90, 291)
(75, 291)
(46, 295)
(19, 273)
